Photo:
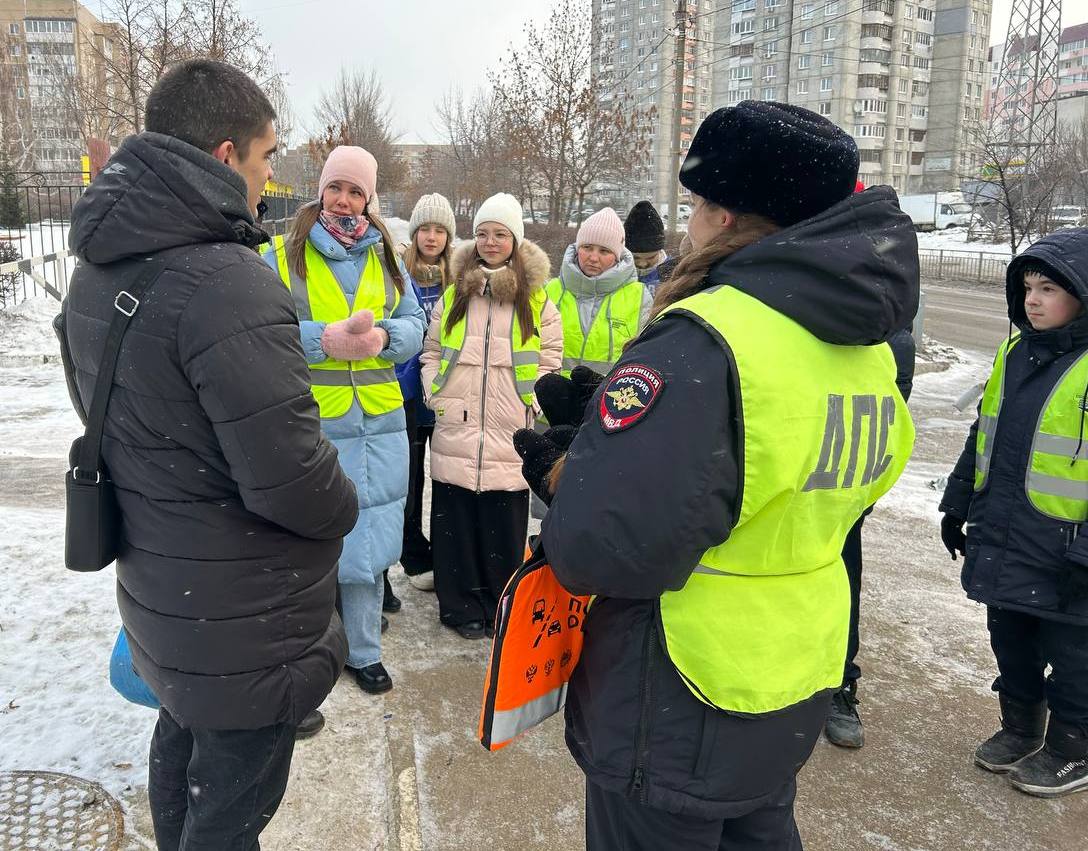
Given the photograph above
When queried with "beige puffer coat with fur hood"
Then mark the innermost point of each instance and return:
(479, 409)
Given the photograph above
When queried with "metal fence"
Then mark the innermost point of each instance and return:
(34, 259)
(949, 264)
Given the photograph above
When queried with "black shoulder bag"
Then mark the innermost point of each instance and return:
(92, 528)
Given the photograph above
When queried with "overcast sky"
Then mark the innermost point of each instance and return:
(421, 47)
(418, 47)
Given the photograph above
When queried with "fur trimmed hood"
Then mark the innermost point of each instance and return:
(470, 278)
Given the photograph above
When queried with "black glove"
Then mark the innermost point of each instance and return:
(564, 400)
(952, 535)
(539, 452)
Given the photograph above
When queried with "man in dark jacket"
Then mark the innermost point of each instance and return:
(233, 505)
(656, 478)
(1020, 488)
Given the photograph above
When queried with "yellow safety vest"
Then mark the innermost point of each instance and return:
(524, 354)
(1057, 477)
(319, 298)
(614, 325)
(761, 624)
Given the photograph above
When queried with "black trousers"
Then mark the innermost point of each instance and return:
(615, 822)
(216, 790)
(1024, 645)
(416, 557)
(851, 556)
(478, 541)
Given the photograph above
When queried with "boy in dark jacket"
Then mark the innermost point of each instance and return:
(1014, 507)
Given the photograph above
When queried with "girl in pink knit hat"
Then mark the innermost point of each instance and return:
(358, 317)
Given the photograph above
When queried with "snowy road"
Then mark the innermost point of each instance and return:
(967, 317)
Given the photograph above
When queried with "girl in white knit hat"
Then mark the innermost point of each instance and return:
(492, 334)
(431, 230)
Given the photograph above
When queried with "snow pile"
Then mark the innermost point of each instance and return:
(398, 229)
(26, 331)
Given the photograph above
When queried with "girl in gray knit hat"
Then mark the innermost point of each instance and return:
(431, 231)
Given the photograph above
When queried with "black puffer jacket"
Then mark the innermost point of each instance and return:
(636, 509)
(1015, 555)
(233, 503)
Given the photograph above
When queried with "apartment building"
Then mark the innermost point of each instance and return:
(634, 51)
(1072, 66)
(53, 53)
(864, 64)
(957, 97)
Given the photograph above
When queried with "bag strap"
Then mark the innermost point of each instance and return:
(125, 303)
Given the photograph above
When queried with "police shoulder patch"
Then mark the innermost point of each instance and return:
(627, 398)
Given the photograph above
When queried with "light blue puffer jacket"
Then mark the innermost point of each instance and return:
(373, 449)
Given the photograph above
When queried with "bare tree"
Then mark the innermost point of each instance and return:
(1017, 188)
(477, 143)
(356, 111)
(558, 128)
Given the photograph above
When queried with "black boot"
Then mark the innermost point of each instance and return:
(1020, 736)
(373, 679)
(310, 726)
(1060, 768)
(390, 602)
(843, 724)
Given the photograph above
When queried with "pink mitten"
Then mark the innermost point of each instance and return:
(348, 339)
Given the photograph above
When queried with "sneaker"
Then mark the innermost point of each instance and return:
(1004, 750)
(310, 726)
(1048, 774)
(423, 581)
(390, 602)
(843, 724)
(373, 679)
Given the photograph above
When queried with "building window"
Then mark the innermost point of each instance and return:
(900, 134)
(804, 61)
(744, 27)
(806, 11)
(869, 156)
(771, 49)
(872, 105)
(825, 84)
(829, 33)
(825, 107)
(772, 4)
(903, 84)
(802, 87)
(829, 60)
(908, 11)
(924, 38)
(770, 23)
(908, 36)
(770, 72)
(869, 131)
(16, 50)
(742, 73)
(746, 6)
(13, 29)
(925, 14)
(806, 37)
(921, 63)
(769, 93)
(20, 92)
(900, 110)
(832, 8)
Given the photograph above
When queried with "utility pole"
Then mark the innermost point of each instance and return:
(677, 111)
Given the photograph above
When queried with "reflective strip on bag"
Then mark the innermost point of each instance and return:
(508, 723)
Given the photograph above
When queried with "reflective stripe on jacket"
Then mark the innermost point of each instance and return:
(525, 354)
(319, 298)
(1056, 477)
(761, 624)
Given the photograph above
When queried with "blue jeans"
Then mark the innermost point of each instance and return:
(361, 611)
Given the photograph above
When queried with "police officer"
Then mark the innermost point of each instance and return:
(706, 495)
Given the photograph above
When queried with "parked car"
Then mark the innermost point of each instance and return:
(684, 211)
(1066, 217)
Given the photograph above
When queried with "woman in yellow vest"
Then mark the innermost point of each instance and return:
(717, 470)
(599, 295)
(358, 316)
(492, 334)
